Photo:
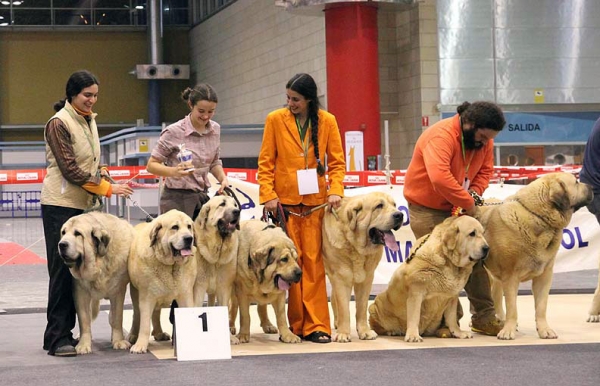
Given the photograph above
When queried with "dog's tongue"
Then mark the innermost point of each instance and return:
(390, 241)
(186, 252)
(282, 284)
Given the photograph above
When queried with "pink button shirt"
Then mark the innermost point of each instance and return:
(205, 150)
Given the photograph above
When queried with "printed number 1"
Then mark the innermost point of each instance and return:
(204, 322)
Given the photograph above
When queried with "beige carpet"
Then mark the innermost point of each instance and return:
(567, 315)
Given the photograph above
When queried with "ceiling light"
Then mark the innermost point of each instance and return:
(4, 2)
(17, 2)
(139, 7)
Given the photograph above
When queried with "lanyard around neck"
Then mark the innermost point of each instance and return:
(302, 132)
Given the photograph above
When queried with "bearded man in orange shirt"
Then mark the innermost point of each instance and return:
(452, 158)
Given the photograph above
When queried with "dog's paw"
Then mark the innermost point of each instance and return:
(132, 338)
(367, 335)
(161, 336)
(233, 340)
(232, 330)
(507, 333)
(413, 338)
(269, 329)
(121, 345)
(460, 334)
(593, 318)
(342, 338)
(83, 348)
(547, 333)
(138, 349)
(243, 338)
(290, 338)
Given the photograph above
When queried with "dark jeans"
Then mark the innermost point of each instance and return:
(61, 313)
(594, 206)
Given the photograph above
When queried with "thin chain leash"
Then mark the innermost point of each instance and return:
(133, 202)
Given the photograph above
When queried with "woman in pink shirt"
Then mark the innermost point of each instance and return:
(186, 183)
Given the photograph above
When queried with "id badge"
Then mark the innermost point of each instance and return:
(466, 184)
(308, 183)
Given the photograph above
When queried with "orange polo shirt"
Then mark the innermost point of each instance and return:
(436, 173)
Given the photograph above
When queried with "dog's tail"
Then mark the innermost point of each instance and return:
(95, 309)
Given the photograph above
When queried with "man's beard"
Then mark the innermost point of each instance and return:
(469, 139)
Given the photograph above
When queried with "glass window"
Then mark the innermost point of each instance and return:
(178, 3)
(72, 17)
(32, 17)
(112, 17)
(175, 17)
(71, 3)
(138, 17)
(550, 155)
(31, 3)
(112, 4)
(4, 17)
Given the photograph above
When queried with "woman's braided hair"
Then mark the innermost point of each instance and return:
(305, 85)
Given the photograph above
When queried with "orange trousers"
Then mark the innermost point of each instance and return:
(308, 308)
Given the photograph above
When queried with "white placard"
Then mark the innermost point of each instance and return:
(308, 182)
(202, 333)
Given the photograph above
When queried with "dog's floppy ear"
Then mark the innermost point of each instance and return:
(154, 233)
(202, 218)
(559, 196)
(263, 256)
(101, 240)
(352, 211)
(260, 260)
(450, 237)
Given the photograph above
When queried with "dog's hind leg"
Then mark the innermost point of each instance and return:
(498, 298)
(265, 323)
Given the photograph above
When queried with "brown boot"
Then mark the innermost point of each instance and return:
(443, 332)
(489, 327)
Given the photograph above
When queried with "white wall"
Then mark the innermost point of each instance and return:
(249, 51)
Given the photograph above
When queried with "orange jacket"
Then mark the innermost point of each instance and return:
(436, 173)
(281, 156)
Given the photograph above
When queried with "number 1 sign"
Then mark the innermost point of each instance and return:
(202, 333)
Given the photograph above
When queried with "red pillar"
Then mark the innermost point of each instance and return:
(353, 71)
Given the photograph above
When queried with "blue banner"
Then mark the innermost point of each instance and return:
(545, 127)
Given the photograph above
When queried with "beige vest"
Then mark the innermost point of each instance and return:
(86, 147)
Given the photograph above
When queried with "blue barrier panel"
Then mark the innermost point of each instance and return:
(21, 203)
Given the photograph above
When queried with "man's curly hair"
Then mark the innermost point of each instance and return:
(482, 115)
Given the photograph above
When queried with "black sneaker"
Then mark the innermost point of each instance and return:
(64, 351)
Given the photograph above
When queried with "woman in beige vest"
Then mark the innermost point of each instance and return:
(72, 177)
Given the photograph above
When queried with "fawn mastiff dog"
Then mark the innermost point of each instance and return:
(426, 286)
(353, 241)
(267, 266)
(524, 233)
(217, 242)
(95, 247)
(162, 267)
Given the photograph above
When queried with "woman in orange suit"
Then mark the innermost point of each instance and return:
(297, 141)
